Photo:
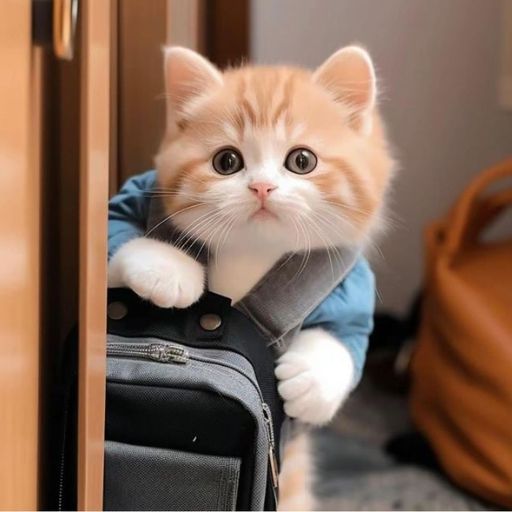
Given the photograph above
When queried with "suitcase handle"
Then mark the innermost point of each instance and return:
(473, 211)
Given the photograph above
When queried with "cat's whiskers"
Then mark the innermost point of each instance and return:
(331, 229)
(169, 217)
(211, 230)
(329, 244)
(300, 240)
(353, 208)
(212, 226)
(341, 220)
(193, 230)
(307, 252)
(297, 235)
(223, 237)
(224, 229)
(187, 235)
(172, 194)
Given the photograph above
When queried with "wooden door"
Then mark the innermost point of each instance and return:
(34, 198)
(20, 177)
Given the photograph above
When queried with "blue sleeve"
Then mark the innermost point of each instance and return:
(347, 313)
(128, 210)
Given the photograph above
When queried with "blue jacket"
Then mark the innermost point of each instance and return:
(347, 313)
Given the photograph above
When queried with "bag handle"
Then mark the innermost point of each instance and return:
(473, 212)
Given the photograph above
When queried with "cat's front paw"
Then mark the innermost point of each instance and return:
(157, 271)
(315, 376)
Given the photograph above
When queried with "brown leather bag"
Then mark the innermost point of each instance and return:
(461, 396)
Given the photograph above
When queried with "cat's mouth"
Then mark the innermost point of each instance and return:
(263, 213)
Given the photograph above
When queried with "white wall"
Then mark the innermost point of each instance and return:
(438, 61)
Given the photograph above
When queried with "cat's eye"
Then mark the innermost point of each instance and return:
(228, 161)
(300, 161)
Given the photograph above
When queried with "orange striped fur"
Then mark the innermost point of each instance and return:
(264, 112)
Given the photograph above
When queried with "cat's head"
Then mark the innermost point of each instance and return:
(278, 155)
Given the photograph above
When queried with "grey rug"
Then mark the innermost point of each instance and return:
(355, 472)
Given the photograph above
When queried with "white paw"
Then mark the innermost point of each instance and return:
(315, 376)
(157, 271)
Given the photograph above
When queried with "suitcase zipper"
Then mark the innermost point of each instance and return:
(62, 459)
(160, 352)
(172, 353)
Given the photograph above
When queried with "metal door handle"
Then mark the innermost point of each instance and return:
(65, 13)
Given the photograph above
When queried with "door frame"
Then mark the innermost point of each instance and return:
(96, 22)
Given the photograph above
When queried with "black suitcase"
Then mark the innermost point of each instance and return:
(193, 417)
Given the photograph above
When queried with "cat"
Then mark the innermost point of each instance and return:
(259, 162)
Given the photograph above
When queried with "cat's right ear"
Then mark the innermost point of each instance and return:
(188, 75)
(350, 77)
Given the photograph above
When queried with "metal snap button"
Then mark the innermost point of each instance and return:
(210, 322)
(117, 310)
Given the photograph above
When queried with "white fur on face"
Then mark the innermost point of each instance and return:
(302, 218)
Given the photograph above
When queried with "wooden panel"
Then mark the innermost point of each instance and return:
(219, 29)
(227, 29)
(141, 109)
(114, 177)
(20, 108)
(64, 197)
(94, 179)
(185, 24)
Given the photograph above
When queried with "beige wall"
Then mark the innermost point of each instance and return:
(438, 61)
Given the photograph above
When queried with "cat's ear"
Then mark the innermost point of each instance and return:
(350, 77)
(188, 75)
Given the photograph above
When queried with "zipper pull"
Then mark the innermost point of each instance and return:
(274, 471)
(167, 353)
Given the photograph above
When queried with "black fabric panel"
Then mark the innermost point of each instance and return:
(145, 478)
(198, 421)
(183, 419)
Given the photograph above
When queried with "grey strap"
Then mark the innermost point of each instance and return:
(290, 291)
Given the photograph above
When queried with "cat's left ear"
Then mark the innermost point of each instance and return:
(350, 77)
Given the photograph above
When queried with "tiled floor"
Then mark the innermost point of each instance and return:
(356, 473)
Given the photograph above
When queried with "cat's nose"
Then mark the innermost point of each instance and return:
(262, 190)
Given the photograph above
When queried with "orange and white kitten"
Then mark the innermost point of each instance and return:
(258, 162)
